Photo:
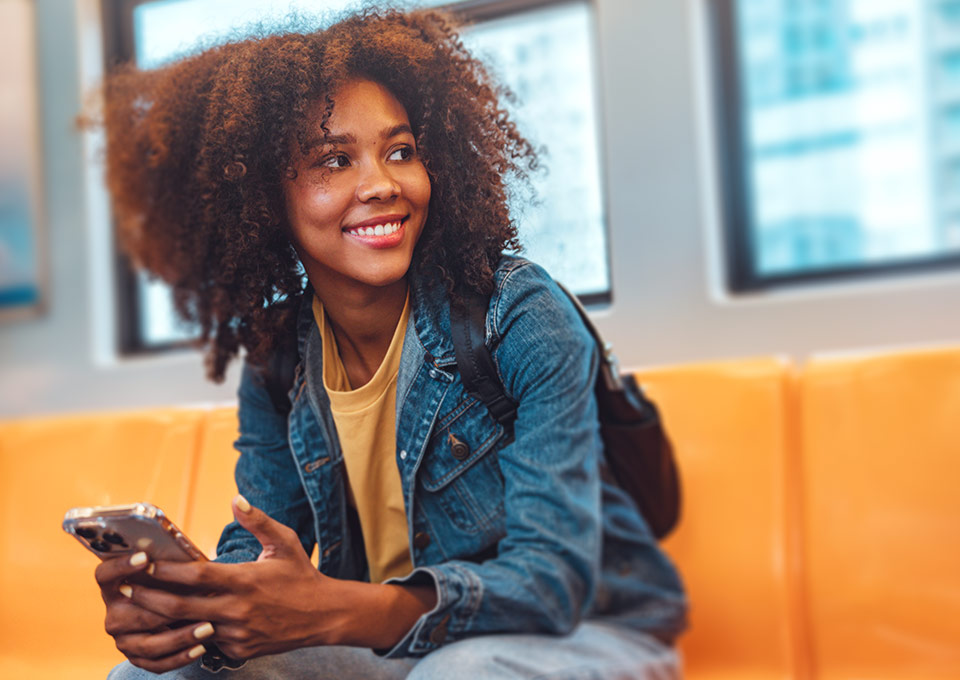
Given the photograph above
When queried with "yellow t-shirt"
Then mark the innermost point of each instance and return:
(366, 425)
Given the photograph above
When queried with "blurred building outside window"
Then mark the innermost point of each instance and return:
(849, 129)
(544, 54)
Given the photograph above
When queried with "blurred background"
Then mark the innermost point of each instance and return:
(726, 178)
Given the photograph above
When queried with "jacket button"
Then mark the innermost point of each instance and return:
(421, 540)
(459, 449)
(439, 634)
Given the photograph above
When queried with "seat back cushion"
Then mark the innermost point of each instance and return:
(51, 619)
(727, 423)
(881, 514)
(214, 486)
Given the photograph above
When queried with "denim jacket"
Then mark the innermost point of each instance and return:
(516, 536)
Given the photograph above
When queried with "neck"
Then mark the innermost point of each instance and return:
(363, 322)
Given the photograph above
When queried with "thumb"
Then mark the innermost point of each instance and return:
(277, 540)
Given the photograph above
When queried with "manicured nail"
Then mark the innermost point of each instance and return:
(204, 631)
(152, 568)
(242, 503)
(196, 651)
(138, 559)
(126, 591)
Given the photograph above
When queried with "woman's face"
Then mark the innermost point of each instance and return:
(359, 199)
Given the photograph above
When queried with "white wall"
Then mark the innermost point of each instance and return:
(668, 304)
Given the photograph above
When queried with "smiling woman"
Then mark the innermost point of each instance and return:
(246, 114)
(373, 157)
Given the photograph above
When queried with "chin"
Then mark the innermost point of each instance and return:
(384, 279)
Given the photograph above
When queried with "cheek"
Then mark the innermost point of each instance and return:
(311, 205)
(419, 188)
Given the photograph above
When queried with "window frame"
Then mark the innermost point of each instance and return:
(736, 193)
(119, 47)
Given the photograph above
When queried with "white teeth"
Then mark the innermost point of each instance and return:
(379, 230)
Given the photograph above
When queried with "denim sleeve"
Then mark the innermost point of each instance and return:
(266, 472)
(548, 563)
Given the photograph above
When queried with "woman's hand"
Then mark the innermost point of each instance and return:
(280, 602)
(149, 640)
(265, 607)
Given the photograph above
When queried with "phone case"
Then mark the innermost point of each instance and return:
(112, 530)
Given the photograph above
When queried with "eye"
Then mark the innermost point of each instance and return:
(402, 153)
(334, 160)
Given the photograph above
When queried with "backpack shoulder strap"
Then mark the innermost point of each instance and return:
(479, 375)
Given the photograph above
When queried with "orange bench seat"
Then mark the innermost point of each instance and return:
(818, 537)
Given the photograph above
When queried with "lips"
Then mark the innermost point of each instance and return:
(379, 232)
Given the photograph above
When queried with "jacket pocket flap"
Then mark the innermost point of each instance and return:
(463, 437)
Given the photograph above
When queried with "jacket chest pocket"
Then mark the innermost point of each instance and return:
(460, 472)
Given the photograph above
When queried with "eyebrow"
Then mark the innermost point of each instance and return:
(339, 140)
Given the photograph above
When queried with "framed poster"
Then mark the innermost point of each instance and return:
(22, 269)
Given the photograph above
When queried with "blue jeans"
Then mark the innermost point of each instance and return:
(593, 651)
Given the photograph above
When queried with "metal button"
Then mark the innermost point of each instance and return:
(403, 454)
(315, 464)
(421, 540)
(434, 374)
(459, 449)
(439, 634)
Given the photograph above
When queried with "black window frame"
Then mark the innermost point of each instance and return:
(119, 47)
(736, 195)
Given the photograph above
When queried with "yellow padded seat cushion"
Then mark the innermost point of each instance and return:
(881, 516)
(51, 619)
(728, 424)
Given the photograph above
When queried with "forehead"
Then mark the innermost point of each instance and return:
(358, 106)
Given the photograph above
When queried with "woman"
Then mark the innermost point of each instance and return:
(373, 158)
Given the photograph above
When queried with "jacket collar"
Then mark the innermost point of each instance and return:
(431, 317)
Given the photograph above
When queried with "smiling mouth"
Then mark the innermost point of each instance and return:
(386, 229)
(388, 234)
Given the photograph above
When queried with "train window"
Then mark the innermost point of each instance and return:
(839, 137)
(542, 49)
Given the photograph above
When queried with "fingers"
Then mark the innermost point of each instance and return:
(112, 571)
(124, 617)
(237, 641)
(197, 576)
(166, 650)
(176, 607)
(278, 540)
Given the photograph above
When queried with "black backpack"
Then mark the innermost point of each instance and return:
(639, 457)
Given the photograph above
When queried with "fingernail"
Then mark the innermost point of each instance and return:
(204, 631)
(138, 559)
(152, 568)
(196, 651)
(242, 503)
(126, 590)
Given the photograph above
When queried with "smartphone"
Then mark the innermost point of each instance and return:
(114, 530)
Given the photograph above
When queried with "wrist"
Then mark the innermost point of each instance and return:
(377, 616)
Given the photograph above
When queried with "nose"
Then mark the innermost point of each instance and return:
(377, 184)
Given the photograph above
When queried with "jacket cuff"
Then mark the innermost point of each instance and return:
(235, 556)
(459, 593)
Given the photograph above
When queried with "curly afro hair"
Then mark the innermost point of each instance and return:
(197, 152)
